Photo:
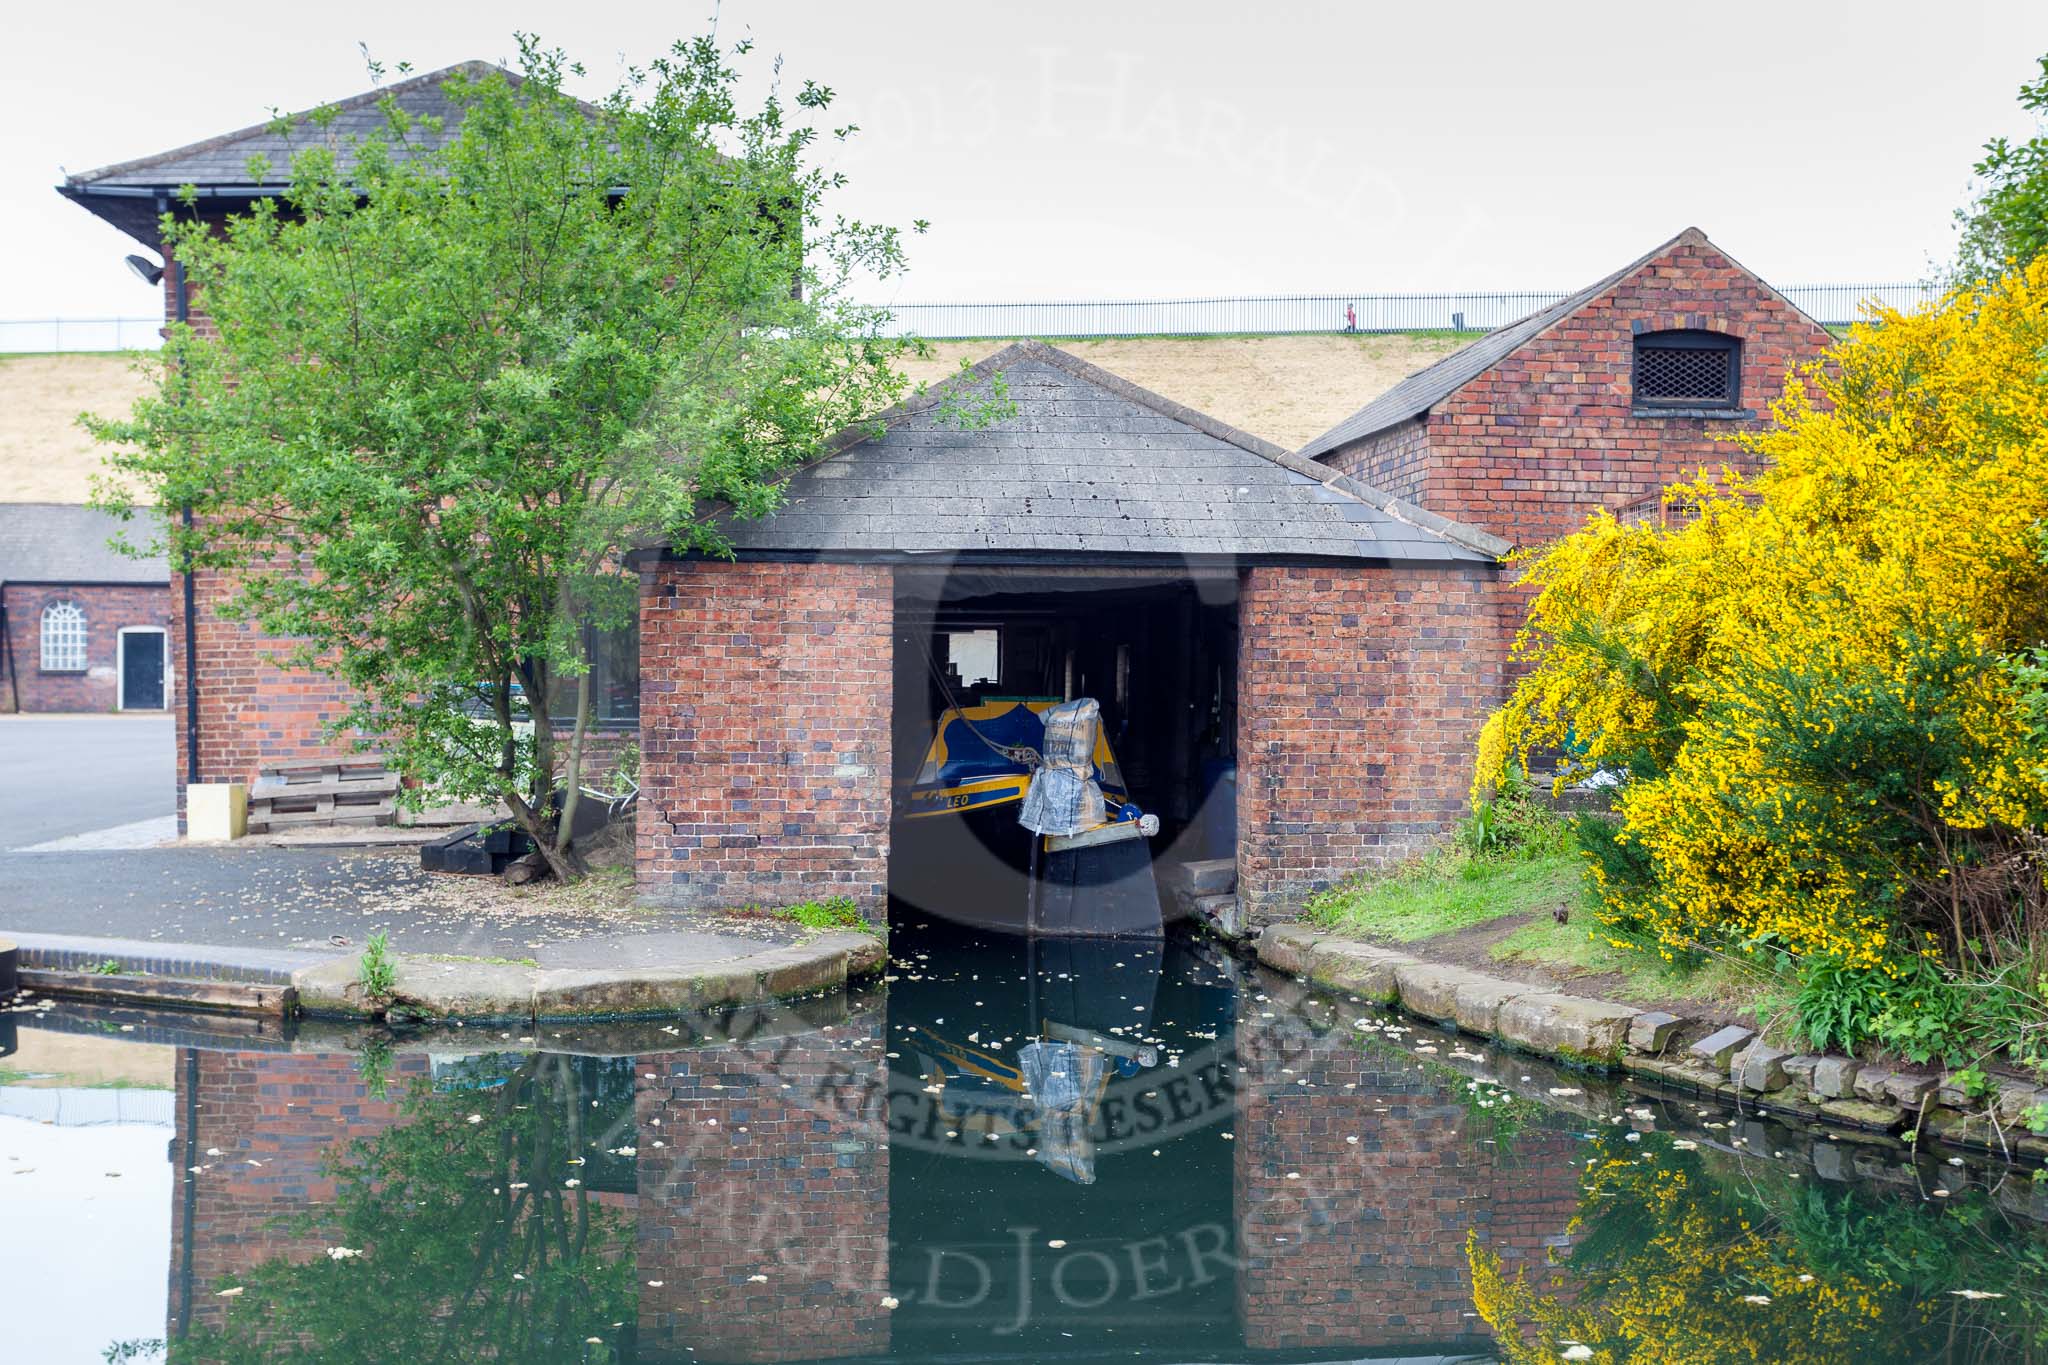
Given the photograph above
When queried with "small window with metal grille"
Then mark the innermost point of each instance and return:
(1701, 370)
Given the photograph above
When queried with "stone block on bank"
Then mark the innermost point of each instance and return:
(1476, 1005)
(1718, 1048)
(1869, 1084)
(1834, 1078)
(1911, 1091)
(1760, 1067)
(1221, 914)
(1432, 991)
(1879, 1118)
(1286, 947)
(1203, 877)
(2015, 1099)
(1360, 968)
(1652, 1030)
(1567, 1026)
(1800, 1067)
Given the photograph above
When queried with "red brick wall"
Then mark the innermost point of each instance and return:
(765, 701)
(107, 611)
(253, 712)
(1394, 461)
(775, 1163)
(1529, 448)
(288, 1111)
(1362, 1244)
(1361, 690)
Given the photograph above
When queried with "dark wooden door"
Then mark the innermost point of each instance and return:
(142, 671)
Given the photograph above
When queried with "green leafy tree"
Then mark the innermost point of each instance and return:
(454, 374)
(2008, 222)
(466, 1232)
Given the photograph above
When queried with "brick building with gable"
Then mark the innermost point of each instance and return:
(1603, 399)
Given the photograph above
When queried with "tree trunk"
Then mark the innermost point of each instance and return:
(572, 778)
(563, 862)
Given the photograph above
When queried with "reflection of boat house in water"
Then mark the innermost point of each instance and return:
(1229, 604)
(777, 1192)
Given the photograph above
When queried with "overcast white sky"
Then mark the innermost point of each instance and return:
(1154, 150)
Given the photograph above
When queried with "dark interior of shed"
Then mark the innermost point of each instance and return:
(1158, 651)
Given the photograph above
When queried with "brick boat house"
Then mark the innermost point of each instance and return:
(1294, 651)
(1251, 605)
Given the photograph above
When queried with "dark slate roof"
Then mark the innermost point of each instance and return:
(1424, 389)
(1090, 465)
(224, 160)
(45, 542)
(126, 194)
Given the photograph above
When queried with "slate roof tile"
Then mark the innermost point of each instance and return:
(43, 542)
(223, 161)
(1088, 463)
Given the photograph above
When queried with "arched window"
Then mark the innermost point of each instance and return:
(63, 638)
(1701, 371)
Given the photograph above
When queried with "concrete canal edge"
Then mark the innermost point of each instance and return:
(440, 988)
(455, 988)
(1730, 1063)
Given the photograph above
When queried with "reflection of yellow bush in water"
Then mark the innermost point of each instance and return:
(1677, 1273)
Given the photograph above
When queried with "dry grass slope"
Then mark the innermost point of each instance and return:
(1286, 389)
(45, 456)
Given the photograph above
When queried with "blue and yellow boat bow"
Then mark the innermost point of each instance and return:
(965, 767)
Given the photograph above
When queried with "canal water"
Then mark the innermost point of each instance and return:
(1006, 1152)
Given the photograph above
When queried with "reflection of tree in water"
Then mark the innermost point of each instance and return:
(479, 1233)
(1681, 1258)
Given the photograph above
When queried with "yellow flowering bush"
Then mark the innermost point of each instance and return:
(1815, 691)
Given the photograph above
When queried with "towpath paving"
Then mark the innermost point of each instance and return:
(304, 900)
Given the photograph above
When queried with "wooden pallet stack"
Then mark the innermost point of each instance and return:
(361, 792)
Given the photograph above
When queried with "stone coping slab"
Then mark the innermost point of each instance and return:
(1732, 1063)
(436, 988)
(443, 987)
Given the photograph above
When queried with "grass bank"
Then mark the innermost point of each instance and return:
(1523, 911)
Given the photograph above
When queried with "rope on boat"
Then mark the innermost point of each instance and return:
(1016, 753)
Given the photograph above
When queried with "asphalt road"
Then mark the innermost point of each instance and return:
(68, 775)
(306, 898)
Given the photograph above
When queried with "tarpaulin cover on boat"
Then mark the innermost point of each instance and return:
(1064, 798)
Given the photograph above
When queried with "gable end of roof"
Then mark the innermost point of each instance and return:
(427, 83)
(1415, 395)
